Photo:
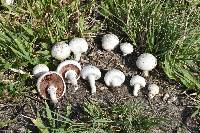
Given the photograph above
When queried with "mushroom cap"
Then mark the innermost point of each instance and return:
(138, 80)
(146, 62)
(109, 42)
(153, 88)
(60, 51)
(126, 48)
(113, 75)
(78, 45)
(40, 69)
(8, 2)
(90, 70)
(51, 78)
(67, 65)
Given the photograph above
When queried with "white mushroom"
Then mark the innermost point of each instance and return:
(40, 69)
(126, 48)
(60, 51)
(51, 85)
(109, 42)
(91, 73)
(138, 82)
(70, 71)
(146, 62)
(114, 78)
(153, 90)
(78, 46)
(8, 2)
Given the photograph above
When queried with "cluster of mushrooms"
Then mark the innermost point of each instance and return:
(53, 83)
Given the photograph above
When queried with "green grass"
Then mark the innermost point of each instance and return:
(129, 118)
(169, 30)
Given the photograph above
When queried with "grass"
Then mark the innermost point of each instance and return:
(116, 118)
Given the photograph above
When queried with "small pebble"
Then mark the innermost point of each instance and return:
(172, 99)
(166, 96)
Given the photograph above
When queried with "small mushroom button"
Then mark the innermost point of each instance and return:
(126, 48)
(153, 90)
(91, 73)
(109, 42)
(70, 71)
(114, 78)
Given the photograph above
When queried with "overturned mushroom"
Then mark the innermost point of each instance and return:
(70, 71)
(40, 69)
(91, 73)
(114, 78)
(138, 82)
(109, 42)
(78, 46)
(51, 85)
(153, 90)
(60, 51)
(146, 62)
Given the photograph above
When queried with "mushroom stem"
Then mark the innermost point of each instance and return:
(71, 76)
(136, 89)
(91, 79)
(146, 73)
(77, 56)
(52, 92)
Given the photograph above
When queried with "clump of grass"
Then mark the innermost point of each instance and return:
(117, 118)
(165, 28)
(129, 117)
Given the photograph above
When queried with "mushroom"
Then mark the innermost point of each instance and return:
(8, 2)
(78, 46)
(153, 90)
(126, 48)
(138, 82)
(60, 51)
(114, 78)
(146, 62)
(70, 71)
(91, 73)
(109, 42)
(40, 69)
(51, 84)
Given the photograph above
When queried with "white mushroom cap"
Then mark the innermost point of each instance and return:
(153, 90)
(40, 69)
(78, 46)
(114, 78)
(8, 2)
(146, 62)
(126, 48)
(109, 42)
(90, 70)
(60, 51)
(137, 80)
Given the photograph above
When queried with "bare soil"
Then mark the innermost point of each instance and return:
(177, 107)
